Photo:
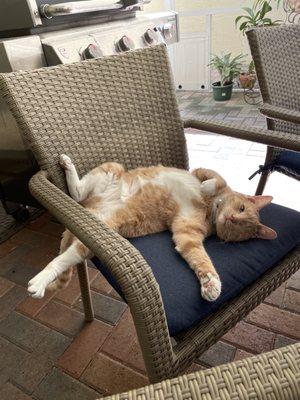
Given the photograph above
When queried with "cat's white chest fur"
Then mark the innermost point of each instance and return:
(183, 186)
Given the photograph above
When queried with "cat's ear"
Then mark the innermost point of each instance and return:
(264, 232)
(260, 201)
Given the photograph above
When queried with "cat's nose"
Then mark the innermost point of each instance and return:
(231, 218)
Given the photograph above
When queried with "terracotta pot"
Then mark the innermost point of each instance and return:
(247, 81)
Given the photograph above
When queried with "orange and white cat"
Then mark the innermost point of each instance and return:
(148, 200)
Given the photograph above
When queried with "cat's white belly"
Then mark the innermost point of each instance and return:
(183, 186)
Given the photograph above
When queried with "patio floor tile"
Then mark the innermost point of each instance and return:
(61, 318)
(31, 372)
(11, 299)
(5, 285)
(217, 354)
(31, 307)
(111, 377)
(291, 300)
(60, 386)
(11, 392)
(241, 354)
(251, 337)
(86, 344)
(106, 308)
(123, 344)
(278, 320)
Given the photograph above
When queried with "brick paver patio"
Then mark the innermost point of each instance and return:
(47, 351)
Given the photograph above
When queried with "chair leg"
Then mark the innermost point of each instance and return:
(85, 291)
(262, 183)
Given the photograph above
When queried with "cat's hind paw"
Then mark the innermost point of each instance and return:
(65, 162)
(38, 284)
(210, 287)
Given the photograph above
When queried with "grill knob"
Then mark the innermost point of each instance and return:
(168, 31)
(150, 36)
(125, 44)
(92, 51)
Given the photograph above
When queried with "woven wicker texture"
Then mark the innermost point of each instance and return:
(119, 108)
(276, 54)
(123, 108)
(274, 375)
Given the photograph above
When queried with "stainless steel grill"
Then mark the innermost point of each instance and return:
(40, 33)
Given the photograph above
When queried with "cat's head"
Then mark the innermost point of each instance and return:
(237, 218)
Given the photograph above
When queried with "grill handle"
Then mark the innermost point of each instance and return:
(79, 7)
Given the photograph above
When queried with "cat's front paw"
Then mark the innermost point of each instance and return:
(65, 161)
(38, 284)
(210, 286)
(208, 188)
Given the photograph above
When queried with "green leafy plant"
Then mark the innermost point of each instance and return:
(256, 16)
(227, 67)
(251, 67)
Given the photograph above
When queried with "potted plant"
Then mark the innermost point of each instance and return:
(256, 16)
(228, 68)
(248, 79)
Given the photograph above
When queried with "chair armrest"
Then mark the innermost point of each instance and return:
(283, 140)
(124, 261)
(280, 113)
(270, 375)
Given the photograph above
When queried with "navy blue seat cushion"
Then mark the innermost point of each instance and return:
(239, 265)
(289, 162)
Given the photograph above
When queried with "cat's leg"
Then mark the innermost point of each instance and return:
(188, 236)
(77, 187)
(74, 254)
(212, 182)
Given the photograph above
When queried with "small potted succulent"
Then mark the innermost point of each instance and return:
(228, 69)
(248, 79)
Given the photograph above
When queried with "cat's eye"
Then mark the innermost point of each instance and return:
(242, 208)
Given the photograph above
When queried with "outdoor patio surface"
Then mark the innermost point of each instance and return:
(47, 352)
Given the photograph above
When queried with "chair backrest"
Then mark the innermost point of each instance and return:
(118, 108)
(276, 55)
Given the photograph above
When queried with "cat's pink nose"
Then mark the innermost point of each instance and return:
(230, 218)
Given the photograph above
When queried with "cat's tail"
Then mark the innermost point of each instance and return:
(63, 279)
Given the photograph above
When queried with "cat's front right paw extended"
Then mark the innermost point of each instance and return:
(210, 286)
(65, 161)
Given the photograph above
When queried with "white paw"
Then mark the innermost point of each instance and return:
(209, 187)
(210, 287)
(38, 284)
(65, 161)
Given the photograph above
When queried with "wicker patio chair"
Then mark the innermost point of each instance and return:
(274, 375)
(276, 54)
(123, 108)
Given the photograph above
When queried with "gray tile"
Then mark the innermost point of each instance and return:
(14, 258)
(11, 357)
(219, 353)
(33, 336)
(11, 299)
(60, 386)
(31, 372)
(282, 341)
(106, 308)
(11, 392)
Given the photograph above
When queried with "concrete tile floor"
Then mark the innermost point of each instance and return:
(46, 350)
(236, 159)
